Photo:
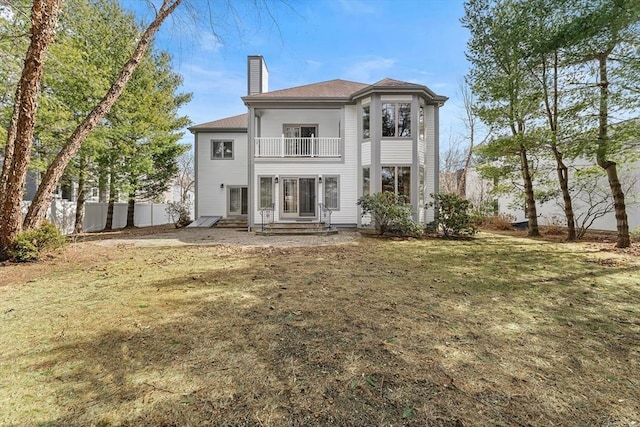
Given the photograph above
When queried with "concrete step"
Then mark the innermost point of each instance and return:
(296, 229)
(232, 223)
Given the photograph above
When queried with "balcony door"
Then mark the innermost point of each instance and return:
(298, 197)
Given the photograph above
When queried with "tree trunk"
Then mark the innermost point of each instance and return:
(532, 214)
(622, 223)
(561, 168)
(44, 19)
(82, 196)
(563, 180)
(38, 206)
(131, 209)
(108, 226)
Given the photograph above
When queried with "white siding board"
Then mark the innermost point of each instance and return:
(396, 152)
(365, 155)
(211, 173)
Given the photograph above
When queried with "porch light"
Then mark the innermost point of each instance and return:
(319, 180)
(276, 180)
(222, 185)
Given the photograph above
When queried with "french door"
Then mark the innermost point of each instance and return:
(298, 197)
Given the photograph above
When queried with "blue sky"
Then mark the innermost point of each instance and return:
(419, 41)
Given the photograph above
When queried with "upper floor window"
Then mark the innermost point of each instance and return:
(396, 119)
(366, 130)
(300, 131)
(421, 122)
(221, 149)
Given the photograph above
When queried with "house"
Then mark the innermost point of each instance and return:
(307, 153)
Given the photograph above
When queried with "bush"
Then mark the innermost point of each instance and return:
(499, 222)
(179, 213)
(390, 213)
(30, 244)
(453, 214)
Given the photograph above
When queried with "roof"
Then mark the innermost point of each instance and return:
(329, 91)
(238, 122)
(332, 89)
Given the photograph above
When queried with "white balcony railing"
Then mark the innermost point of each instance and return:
(297, 147)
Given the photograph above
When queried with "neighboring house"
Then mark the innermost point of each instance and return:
(591, 199)
(301, 153)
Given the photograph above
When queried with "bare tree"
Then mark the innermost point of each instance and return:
(185, 179)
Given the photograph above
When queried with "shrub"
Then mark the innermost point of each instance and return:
(179, 213)
(499, 222)
(390, 213)
(30, 244)
(453, 214)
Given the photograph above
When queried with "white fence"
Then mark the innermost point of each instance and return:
(63, 213)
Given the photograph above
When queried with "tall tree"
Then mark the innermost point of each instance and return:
(500, 80)
(604, 34)
(44, 20)
(145, 127)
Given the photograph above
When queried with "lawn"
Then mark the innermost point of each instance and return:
(498, 330)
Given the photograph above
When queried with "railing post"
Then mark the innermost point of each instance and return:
(313, 147)
(282, 146)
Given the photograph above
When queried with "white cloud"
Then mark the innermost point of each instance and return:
(210, 42)
(370, 71)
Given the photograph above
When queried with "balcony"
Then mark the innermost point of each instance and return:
(270, 147)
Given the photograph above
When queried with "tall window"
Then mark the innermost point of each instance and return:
(366, 182)
(221, 149)
(421, 123)
(397, 179)
(266, 192)
(331, 192)
(396, 119)
(366, 130)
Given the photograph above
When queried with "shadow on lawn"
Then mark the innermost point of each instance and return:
(249, 357)
(310, 344)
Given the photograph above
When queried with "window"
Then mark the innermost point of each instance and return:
(221, 149)
(421, 123)
(366, 131)
(366, 182)
(331, 192)
(396, 119)
(397, 179)
(266, 192)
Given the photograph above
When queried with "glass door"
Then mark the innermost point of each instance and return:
(307, 197)
(298, 197)
(238, 201)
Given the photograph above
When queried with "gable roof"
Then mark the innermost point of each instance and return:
(232, 123)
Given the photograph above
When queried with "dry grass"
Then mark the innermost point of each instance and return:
(494, 331)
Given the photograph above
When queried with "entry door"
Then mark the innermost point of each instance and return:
(298, 197)
(238, 201)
